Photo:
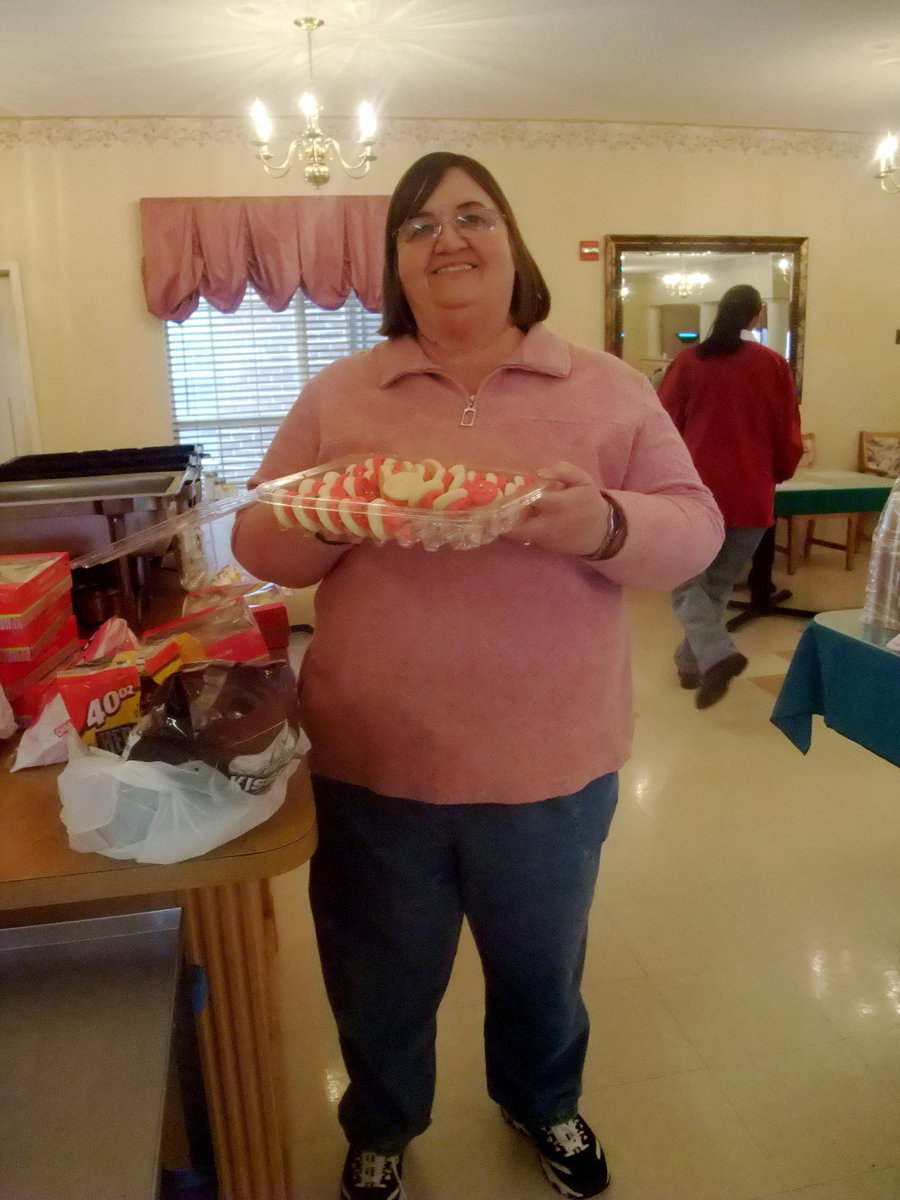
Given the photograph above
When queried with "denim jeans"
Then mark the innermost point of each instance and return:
(390, 883)
(700, 604)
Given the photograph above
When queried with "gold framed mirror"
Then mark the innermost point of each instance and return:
(662, 293)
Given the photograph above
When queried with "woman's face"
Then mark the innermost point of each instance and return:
(456, 271)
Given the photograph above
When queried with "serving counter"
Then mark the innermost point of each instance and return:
(88, 498)
(229, 931)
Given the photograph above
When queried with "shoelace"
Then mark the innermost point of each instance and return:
(372, 1170)
(569, 1136)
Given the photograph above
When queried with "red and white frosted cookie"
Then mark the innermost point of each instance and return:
(371, 498)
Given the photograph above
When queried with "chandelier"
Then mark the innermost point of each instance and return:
(680, 283)
(310, 147)
(888, 172)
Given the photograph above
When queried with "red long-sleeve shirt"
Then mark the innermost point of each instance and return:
(739, 418)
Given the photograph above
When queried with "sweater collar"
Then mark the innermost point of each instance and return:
(541, 351)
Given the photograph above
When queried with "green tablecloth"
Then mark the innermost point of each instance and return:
(848, 677)
(811, 492)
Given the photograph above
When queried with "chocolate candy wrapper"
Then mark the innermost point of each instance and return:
(389, 498)
(240, 718)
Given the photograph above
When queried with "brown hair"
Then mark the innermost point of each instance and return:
(737, 309)
(530, 297)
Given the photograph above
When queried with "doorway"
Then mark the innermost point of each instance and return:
(18, 418)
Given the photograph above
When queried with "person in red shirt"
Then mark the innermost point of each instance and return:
(735, 405)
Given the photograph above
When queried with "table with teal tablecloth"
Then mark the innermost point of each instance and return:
(811, 493)
(844, 672)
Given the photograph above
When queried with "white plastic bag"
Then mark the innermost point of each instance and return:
(154, 812)
(45, 740)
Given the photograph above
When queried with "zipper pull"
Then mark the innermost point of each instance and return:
(468, 416)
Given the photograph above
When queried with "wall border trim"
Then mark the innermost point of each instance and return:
(83, 133)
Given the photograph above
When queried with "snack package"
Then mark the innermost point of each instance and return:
(240, 718)
(386, 498)
(45, 740)
(266, 602)
(253, 591)
(100, 691)
(103, 700)
(225, 631)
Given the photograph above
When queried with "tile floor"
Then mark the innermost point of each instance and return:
(743, 975)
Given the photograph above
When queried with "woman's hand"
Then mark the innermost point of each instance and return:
(570, 517)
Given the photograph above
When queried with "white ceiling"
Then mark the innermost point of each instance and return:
(777, 64)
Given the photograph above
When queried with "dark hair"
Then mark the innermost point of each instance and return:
(530, 296)
(737, 309)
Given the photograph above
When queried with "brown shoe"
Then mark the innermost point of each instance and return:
(689, 679)
(714, 682)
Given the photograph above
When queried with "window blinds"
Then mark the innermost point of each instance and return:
(235, 375)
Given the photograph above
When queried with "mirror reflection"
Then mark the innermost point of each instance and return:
(662, 294)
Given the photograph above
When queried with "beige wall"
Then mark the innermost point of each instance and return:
(69, 217)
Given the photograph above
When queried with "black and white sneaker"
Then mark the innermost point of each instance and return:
(371, 1176)
(572, 1158)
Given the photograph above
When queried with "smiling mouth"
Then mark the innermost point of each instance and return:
(454, 267)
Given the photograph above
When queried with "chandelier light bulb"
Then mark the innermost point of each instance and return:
(261, 122)
(367, 122)
(886, 152)
(309, 106)
(888, 173)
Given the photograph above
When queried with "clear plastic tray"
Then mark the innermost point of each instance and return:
(388, 498)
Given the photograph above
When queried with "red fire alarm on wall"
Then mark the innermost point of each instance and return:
(589, 251)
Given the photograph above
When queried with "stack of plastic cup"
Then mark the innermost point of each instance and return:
(881, 611)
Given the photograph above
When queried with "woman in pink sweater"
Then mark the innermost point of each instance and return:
(468, 711)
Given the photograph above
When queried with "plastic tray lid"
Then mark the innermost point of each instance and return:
(385, 498)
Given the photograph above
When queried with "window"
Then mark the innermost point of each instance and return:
(235, 375)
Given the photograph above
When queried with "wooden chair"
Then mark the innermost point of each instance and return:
(801, 530)
(879, 454)
(849, 545)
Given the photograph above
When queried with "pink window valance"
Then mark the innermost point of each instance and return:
(213, 247)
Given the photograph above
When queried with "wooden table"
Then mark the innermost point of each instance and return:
(229, 931)
(843, 671)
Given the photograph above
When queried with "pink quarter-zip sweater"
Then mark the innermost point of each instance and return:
(499, 674)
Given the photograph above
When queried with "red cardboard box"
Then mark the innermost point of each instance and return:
(28, 578)
(17, 676)
(35, 615)
(26, 639)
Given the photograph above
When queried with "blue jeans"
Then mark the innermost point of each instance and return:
(700, 604)
(390, 883)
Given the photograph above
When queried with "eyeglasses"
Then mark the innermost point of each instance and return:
(425, 228)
